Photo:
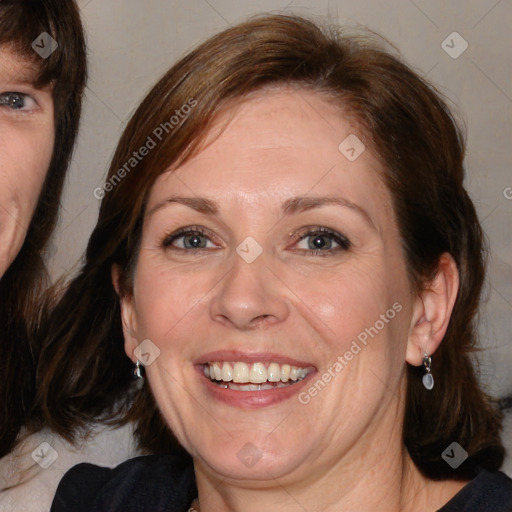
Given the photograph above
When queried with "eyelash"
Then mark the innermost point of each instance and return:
(6, 100)
(168, 239)
(309, 231)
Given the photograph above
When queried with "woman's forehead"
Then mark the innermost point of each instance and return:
(278, 124)
(286, 143)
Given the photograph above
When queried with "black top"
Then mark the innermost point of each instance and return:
(153, 483)
(166, 484)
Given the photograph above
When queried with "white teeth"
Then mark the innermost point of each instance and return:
(240, 373)
(227, 372)
(217, 372)
(285, 372)
(258, 373)
(274, 372)
(255, 373)
(302, 373)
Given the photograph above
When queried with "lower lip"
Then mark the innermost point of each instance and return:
(252, 399)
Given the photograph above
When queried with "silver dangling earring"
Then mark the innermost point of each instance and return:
(428, 378)
(138, 371)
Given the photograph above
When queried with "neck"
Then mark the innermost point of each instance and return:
(365, 489)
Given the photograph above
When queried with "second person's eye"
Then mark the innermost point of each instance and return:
(17, 101)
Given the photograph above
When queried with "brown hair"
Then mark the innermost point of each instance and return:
(84, 370)
(21, 22)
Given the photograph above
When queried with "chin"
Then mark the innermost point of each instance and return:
(251, 458)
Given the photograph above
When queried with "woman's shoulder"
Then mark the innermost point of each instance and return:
(154, 483)
(30, 474)
(487, 492)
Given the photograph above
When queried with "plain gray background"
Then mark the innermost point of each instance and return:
(133, 42)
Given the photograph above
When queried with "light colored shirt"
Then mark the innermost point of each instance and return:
(29, 476)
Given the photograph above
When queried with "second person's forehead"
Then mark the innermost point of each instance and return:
(17, 67)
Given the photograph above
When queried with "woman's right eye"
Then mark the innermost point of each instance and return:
(189, 240)
(17, 101)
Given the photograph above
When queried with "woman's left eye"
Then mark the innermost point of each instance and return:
(17, 101)
(322, 240)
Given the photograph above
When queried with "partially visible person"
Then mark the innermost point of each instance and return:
(298, 265)
(41, 87)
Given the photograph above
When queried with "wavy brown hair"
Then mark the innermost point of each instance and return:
(84, 372)
(21, 22)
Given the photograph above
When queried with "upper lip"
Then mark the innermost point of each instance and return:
(250, 357)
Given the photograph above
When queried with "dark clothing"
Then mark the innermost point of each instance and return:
(488, 492)
(167, 484)
(152, 483)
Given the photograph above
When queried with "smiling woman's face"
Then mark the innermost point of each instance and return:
(270, 250)
(26, 145)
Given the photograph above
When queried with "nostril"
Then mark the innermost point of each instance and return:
(261, 320)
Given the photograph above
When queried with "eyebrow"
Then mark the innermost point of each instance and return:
(27, 72)
(304, 203)
(200, 204)
(291, 206)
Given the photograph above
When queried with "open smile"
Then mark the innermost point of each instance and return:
(252, 380)
(258, 376)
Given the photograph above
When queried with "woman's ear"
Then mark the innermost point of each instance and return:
(432, 311)
(128, 314)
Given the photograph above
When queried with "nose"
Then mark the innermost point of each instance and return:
(249, 297)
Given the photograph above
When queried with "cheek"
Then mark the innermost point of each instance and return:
(39, 163)
(344, 300)
(168, 301)
(360, 308)
(24, 161)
